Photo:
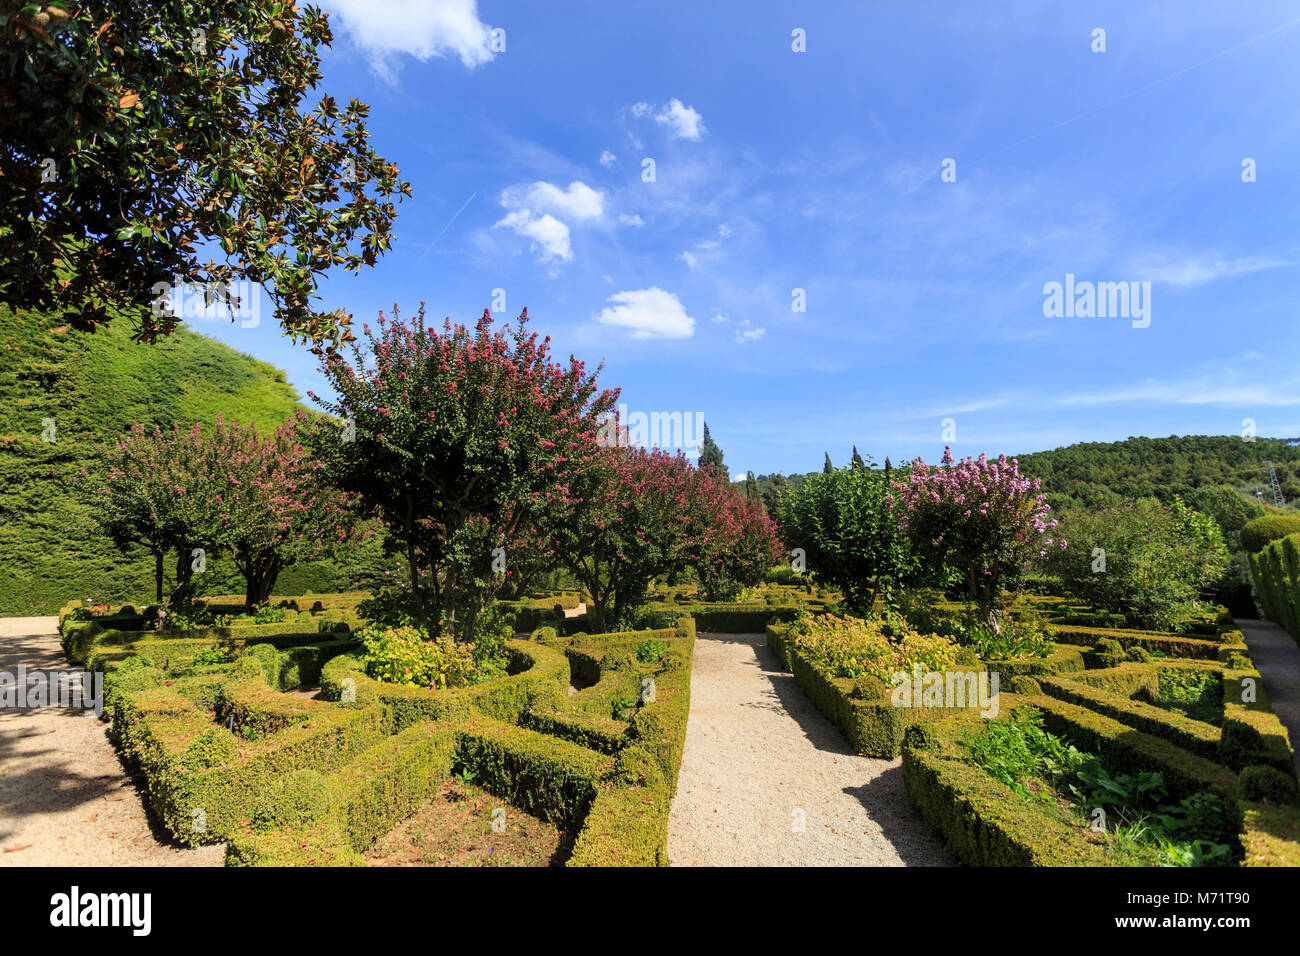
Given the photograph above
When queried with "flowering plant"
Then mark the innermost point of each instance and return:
(860, 647)
(982, 520)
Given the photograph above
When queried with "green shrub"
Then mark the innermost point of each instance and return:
(650, 650)
(1256, 534)
(1263, 784)
(407, 655)
(294, 799)
(854, 647)
(1157, 559)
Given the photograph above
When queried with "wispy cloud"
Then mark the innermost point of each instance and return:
(1201, 270)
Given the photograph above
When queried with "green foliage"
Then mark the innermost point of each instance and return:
(1157, 559)
(407, 655)
(265, 614)
(1257, 534)
(1019, 749)
(1196, 693)
(650, 650)
(1276, 573)
(857, 647)
(103, 91)
(843, 521)
(213, 655)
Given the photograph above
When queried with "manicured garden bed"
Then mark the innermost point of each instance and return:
(285, 779)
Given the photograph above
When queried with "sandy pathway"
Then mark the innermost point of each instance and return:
(65, 799)
(760, 760)
(1277, 658)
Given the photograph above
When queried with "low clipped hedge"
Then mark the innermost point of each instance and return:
(362, 801)
(618, 795)
(1195, 736)
(1132, 751)
(1063, 659)
(1252, 732)
(1171, 645)
(983, 822)
(872, 724)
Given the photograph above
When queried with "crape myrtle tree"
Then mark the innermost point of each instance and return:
(273, 505)
(462, 439)
(843, 521)
(629, 518)
(731, 539)
(981, 520)
(224, 489)
(155, 494)
(137, 138)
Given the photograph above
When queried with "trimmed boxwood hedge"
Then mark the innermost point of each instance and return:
(983, 822)
(291, 780)
(1276, 572)
(873, 726)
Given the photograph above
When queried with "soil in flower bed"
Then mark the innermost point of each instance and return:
(454, 828)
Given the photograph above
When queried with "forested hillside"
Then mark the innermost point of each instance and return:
(62, 395)
(1162, 467)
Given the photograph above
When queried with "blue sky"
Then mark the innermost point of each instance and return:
(824, 171)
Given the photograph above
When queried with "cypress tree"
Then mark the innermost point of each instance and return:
(857, 459)
(828, 467)
(711, 454)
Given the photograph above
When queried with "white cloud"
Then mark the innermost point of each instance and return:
(630, 220)
(547, 232)
(640, 109)
(1199, 271)
(608, 159)
(421, 29)
(689, 259)
(749, 335)
(579, 201)
(531, 209)
(683, 121)
(649, 313)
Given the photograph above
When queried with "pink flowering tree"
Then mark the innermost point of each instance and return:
(271, 505)
(981, 520)
(461, 439)
(155, 494)
(733, 540)
(224, 489)
(627, 521)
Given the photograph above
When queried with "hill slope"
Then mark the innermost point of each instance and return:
(92, 387)
(1163, 467)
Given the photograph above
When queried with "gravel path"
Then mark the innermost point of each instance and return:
(1277, 658)
(760, 758)
(65, 798)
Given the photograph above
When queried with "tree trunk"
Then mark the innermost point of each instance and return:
(158, 575)
(184, 575)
